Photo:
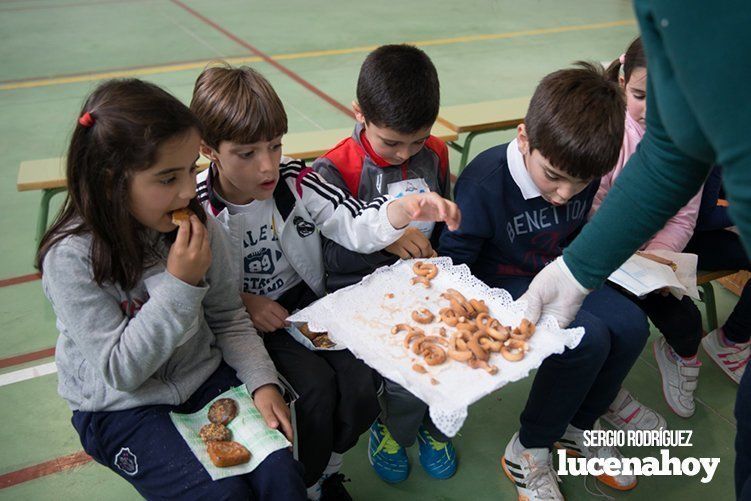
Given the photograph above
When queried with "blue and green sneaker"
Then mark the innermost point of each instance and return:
(437, 458)
(388, 458)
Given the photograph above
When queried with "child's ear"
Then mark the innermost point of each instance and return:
(207, 151)
(621, 81)
(522, 140)
(358, 112)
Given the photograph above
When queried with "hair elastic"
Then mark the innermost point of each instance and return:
(86, 120)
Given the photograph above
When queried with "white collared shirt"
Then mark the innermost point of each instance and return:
(519, 172)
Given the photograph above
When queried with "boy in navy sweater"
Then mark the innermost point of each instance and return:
(391, 152)
(522, 202)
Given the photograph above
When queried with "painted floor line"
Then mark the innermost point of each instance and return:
(20, 279)
(291, 74)
(28, 83)
(27, 357)
(27, 373)
(42, 469)
(68, 5)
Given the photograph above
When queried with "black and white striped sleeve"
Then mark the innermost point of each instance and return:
(352, 223)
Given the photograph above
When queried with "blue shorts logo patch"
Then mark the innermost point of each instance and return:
(126, 461)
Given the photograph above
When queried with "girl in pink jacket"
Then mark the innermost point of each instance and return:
(679, 321)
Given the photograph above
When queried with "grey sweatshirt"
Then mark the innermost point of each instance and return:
(154, 344)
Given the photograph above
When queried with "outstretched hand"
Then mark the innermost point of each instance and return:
(424, 207)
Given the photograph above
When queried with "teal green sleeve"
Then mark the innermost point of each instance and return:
(698, 113)
(657, 181)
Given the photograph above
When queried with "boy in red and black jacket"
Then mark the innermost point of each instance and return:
(391, 152)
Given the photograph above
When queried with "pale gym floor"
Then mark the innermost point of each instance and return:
(55, 52)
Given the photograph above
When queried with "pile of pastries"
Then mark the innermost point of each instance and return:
(475, 336)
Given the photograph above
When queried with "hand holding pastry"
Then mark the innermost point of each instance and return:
(189, 256)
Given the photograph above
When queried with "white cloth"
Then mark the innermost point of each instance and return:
(361, 316)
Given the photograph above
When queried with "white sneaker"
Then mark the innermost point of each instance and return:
(679, 380)
(573, 442)
(532, 472)
(627, 413)
(731, 359)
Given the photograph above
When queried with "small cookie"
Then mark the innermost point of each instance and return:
(223, 411)
(323, 341)
(307, 332)
(180, 215)
(225, 454)
(215, 433)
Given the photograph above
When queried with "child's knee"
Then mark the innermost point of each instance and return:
(632, 334)
(320, 390)
(594, 346)
(226, 489)
(362, 386)
(279, 473)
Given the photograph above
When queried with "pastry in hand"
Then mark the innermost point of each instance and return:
(180, 215)
(225, 454)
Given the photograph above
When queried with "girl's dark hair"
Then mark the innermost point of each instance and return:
(131, 120)
(633, 58)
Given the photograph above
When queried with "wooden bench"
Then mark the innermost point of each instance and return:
(704, 281)
(481, 118)
(48, 175)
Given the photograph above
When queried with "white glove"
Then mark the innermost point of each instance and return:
(554, 291)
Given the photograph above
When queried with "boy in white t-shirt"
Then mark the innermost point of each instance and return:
(273, 228)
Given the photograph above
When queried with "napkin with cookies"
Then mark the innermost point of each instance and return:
(247, 428)
(369, 319)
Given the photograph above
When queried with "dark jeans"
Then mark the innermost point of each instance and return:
(576, 386)
(722, 250)
(144, 447)
(403, 414)
(679, 320)
(337, 401)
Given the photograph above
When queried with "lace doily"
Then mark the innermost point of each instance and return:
(361, 316)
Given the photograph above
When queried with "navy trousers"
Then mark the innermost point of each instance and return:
(144, 447)
(576, 386)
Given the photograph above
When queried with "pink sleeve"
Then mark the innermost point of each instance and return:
(606, 181)
(679, 229)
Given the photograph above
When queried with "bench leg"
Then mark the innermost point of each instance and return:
(465, 150)
(44, 211)
(709, 305)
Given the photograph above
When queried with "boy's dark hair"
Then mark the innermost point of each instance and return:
(131, 120)
(633, 58)
(398, 88)
(576, 120)
(237, 105)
